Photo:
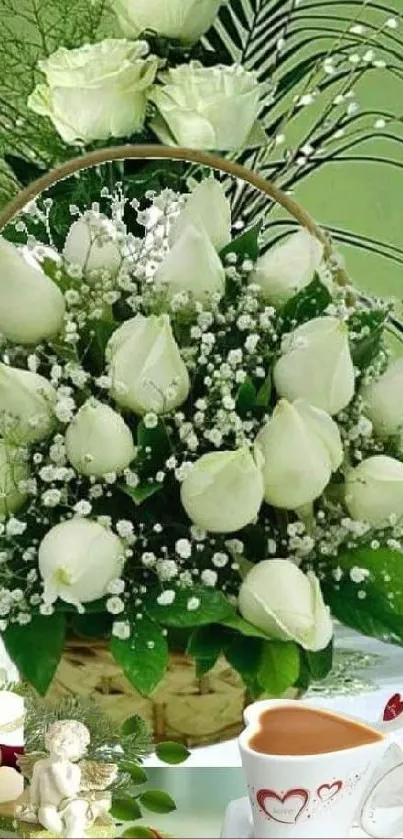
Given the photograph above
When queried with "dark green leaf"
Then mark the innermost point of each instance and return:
(246, 397)
(91, 625)
(244, 627)
(380, 611)
(131, 725)
(154, 445)
(125, 809)
(213, 607)
(204, 665)
(279, 667)
(264, 392)
(255, 541)
(139, 832)
(172, 753)
(320, 663)
(143, 665)
(309, 303)
(366, 329)
(206, 642)
(246, 245)
(24, 170)
(137, 774)
(244, 655)
(37, 649)
(157, 801)
(141, 492)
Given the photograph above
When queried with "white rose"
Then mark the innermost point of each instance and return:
(288, 267)
(223, 491)
(316, 365)
(301, 447)
(374, 490)
(192, 266)
(98, 440)
(13, 470)
(383, 401)
(181, 20)
(207, 207)
(96, 91)
(31, 305)
(206, 107)
(278, 598)
(91, 244)
(26, 405)
(146, 367)
(77, 561)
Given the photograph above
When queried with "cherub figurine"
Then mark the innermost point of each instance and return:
(67, 796)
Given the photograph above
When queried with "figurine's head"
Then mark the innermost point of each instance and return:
(67, 739)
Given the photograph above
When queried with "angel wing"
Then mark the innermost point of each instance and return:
(97, 776)
(27, 762)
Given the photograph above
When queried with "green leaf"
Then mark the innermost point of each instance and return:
(380, 612)
(213, 607)
(206, 642)
(139, 832)
(204, 665)
(264, 392)
(246, 397)
(246, 245)
(143, 665)
(244, 655)
(172, 753)
(154, 445)
(125, 809)
(37, 649)
(366, 330)
(320, 663)
(141, 492)
(307, 304)
(137, 774)
(91, 625)
(279, 667)
(157, 801)
(244, 627)
(130, 726)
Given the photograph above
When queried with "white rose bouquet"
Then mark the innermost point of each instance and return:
(198, 435)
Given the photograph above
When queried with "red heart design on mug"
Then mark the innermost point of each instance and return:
(328, 791)
(286, 808)
(393, 708)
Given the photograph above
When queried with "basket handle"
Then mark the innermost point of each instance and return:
(155, 152)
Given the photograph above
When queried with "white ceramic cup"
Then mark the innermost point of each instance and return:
(323, 795)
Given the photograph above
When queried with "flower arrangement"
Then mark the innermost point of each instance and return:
(199, 438)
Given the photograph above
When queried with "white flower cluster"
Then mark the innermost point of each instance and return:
(162, 373)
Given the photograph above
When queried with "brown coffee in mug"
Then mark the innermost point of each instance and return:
(286, 730)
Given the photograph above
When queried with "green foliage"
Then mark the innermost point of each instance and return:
(125, 809)
(139, 832)
(157, 801)
(245, 246)
(144, 656)
(213, 607)
(366, 330)
(141, 492)
(380, 611)
(319, 663)
(279, 667)
(46, 635)
(309, 303)
(172, 753)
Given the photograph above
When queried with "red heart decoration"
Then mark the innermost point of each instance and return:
(328, 791)
(393, 708)
(285, 809)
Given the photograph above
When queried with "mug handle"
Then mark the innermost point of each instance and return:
(381, 815)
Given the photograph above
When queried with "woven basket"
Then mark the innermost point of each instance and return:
(183, 708)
